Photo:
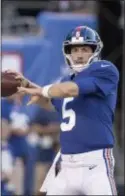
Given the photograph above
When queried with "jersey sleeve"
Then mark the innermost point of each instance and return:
(101, 81)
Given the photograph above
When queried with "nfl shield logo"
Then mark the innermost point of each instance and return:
(77, 38)
(77, 34)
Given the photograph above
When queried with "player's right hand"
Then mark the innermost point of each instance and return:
(17, 74)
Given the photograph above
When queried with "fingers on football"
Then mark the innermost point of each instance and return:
(9, 71)
(18, 75)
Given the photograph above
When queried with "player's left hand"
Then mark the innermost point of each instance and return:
(34, 99)
(35, 93)
(30, 91)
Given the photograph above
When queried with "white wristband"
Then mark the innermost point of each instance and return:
(45, 91)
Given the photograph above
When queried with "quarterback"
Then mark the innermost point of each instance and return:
(86, 101)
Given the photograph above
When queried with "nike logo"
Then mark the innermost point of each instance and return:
(92, 167)
(105, 65)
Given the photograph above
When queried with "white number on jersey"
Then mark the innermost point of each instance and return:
(68, 113)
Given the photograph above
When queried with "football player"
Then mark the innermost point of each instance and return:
(86, 101)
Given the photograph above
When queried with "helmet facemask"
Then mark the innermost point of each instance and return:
(79, 67)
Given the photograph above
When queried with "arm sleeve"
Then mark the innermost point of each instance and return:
(101, 82)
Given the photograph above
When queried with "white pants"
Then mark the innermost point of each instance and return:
(85, 174)
(51, 175)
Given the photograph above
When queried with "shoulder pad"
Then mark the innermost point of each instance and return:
(104, 65)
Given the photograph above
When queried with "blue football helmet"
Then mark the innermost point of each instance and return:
(80, 36)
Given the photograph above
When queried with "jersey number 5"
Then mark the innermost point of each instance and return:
(68, 113)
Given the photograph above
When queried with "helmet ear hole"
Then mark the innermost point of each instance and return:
(94, 47)
(67, 49)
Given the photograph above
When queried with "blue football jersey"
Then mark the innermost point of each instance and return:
(87, 120)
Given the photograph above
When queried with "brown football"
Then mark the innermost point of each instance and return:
(9, 84)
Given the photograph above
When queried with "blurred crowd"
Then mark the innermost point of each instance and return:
(29, 143)
(30, 135)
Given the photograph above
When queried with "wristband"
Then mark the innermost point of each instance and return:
(45, 91)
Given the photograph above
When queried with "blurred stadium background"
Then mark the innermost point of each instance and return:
(32, 36)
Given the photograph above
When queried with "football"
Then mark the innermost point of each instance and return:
(9, 84)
